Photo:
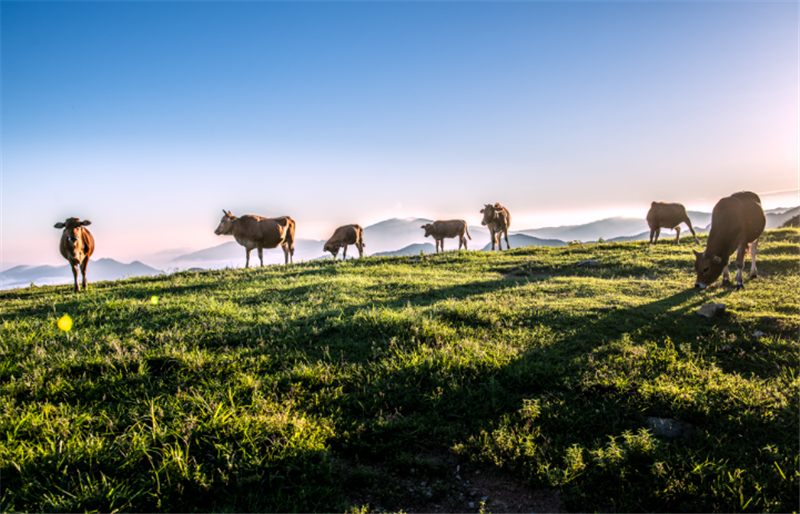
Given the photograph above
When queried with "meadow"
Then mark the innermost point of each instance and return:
(409, 384)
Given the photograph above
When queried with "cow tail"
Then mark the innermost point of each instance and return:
(466, 229)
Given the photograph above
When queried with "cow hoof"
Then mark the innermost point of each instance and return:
(739, 286)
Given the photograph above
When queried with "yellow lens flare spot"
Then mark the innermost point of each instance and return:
(154, 300)
(65, 323)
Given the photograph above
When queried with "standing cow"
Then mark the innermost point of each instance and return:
(498, 219)
(256, 232)
(668, 215)
(447, 228)
(77, 245)
(736, 223)
(343, 236)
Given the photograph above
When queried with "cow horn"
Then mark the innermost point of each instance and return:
(697, 254)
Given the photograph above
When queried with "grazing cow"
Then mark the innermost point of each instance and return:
(447, 228)
(343, 236)
(77, 245)
(668, 215)
(736, 223)
(498, 219)
(256, 232)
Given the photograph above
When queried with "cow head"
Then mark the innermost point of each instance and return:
(225, 224)
(333, 248)
(489, 213)
(71, 236)
(708, 267)
(428, 227)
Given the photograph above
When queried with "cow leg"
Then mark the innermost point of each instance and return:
(726, 275)
(261, 256)
(505, 233)
(658, 233)
(740, 265)
(360, 247)
(247, 260)
(344, 255)
(75, 276)
(753, 252)
(678, 235)
(83, 272)
(652, 233)
(691, 229)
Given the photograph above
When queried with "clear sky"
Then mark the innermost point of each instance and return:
(149, 118)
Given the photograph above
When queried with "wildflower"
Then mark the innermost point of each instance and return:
(154, 300)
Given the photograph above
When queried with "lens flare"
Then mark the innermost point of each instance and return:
(65, 323)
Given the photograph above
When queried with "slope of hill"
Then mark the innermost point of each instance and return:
(100, 269)
(321, 386)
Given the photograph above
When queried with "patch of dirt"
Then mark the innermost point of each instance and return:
(455, 487)
(778, 326)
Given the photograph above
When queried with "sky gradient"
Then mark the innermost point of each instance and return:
(149, 118)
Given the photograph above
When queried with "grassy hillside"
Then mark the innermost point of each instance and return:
(408, 383)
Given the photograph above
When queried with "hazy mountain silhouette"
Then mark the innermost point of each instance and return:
(522, 240)
(97, 270)
(412, 249)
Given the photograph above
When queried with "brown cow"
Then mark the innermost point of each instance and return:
(77, 245)
(447, 228)
(736, 223)
(256, 232)
(498, 219)
(343, 236)
(668, 215)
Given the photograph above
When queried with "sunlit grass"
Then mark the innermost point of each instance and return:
(257, 390)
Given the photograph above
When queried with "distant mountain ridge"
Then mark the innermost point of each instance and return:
(97, 270)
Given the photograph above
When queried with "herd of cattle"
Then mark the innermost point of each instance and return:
(737, 222)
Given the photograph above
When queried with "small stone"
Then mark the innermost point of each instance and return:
(588, 262)
(458, 468)
(726, 348)
(413, 471)
(471, 505)
(477, 472)
(670, 428)
(710, 310)
(458, 477)
(484, 498)
(759, 333)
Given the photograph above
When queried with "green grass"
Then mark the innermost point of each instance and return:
(283, 388)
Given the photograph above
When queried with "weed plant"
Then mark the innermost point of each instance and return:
(275, 389)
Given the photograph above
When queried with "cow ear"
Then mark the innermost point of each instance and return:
(59, 225)
(716, 259)
(697, 254)
(86, 222)
(497, 206)
(482, 210)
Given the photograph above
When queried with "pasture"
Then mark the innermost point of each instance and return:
(455, 382)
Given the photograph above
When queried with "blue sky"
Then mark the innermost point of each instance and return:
(148, 118)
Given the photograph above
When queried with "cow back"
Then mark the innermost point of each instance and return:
(666, 215)
(255, 231)
(737, 219)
